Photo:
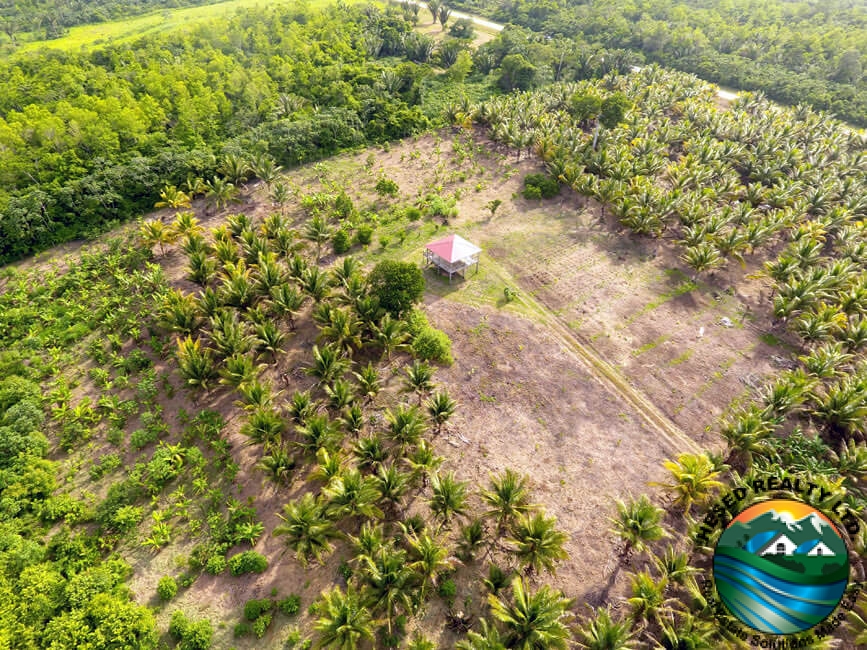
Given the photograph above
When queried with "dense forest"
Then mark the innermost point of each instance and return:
(90, 138)
(813, 52)
(52, 18)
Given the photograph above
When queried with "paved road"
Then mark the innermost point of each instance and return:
(497, 27)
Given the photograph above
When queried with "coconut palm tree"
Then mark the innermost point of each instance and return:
(602, 632)
(278, 464)
(471, 539)
(537, 542)
(264, 426)
(507, 498)
(302, 406)
(391, 335)
(220, 192)
(488, 638)
(172, 197)
(429, 558)
(637, 524)
(351, 494)
(440, 408)
(318, 232)
(406, 425)
(533, 621)
(745, 433)
(315, 283)
(195, 362)
(286, 301)
(674, 565)
(368, 382)
(392, 485)
(308, 528)
(340, 394)
(329, 363)
(343, 620)
(269, 339)
(352, 420)
(265, 168)
(444, 14)
(434, 8)
(238, 369)
(391, 583)
(419, 379)
(648, 599)
(693, 480)
(178, 312)
(449, 497)
(423, 462)
(234, 168)
(343, 330)
(154, 233)
(316, 433)
(370, 453)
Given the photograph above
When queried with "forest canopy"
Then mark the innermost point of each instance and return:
(808, 51)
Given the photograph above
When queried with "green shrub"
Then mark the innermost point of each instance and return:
(290, 605)
(253, 609)
(167, 588)
(341, 242)
(216, 564)
(141, 438)
(412, 213)
(179, 624)
(432, 344)
(447, 591)
(260, 626)
(387, 187)
(364, 234)
(540, 186)
(198, 636)
(243, 629)
(126, 518)
(247, 562)
(398, 285)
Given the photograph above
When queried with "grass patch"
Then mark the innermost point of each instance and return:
(680, 359)
(647, 347)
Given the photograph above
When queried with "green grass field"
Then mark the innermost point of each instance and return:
(88, 36)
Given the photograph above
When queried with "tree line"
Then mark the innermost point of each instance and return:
(795, 52)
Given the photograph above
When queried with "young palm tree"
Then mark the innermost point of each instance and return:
(286, 301)
(220, 192)
(302, 406)
(602, 632)
(238, 369)
(392, 485)
(537, 542)
(471, 540)
(434, 8)
(316, 433)
(343, 330)
(390, 581)
(406, 425)
(418, 379)
(648, 599)
(343, 621)
(508, 497)
(391, 335)
(196, 363)
(449, 497)
(693, 480)
(533, 621)
(156, 232)
(423, 462)
(328, 364)
(352, 494)
(328, 466)
(370, 453)
(308, 528)
(340, 394)
(488, 638)
(370, 541)
(429, 558)
(265, 168)
(440, 408)
(637, 524)
(264, 426)
(178, 312)
(269, 339)
(444, 13)
(278, 464)
(674, 565)
(746, 433)
(368, 382)
(352, 420)
(280, 196)
(318, 232)
(315, 283)
(172, 197)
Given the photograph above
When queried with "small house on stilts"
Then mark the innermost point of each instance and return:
(452, 254)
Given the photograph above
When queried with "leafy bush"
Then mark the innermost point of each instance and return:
(253, 609)
(432, 344)
(540, 186)
(141, 438)
(462, 28)
(260, 626)
(247, 562)
(398, 285)
(341, 242)
(364, 234)
(387, 187)
(413, 213)
(290, 605)
(126, 518)
(192, 635)
(242, 629)
(447, 591)
(216, 564)
(167, 588)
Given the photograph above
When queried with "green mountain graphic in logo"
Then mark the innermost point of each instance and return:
(780, 572)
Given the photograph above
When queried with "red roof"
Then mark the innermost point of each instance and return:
(453, 248)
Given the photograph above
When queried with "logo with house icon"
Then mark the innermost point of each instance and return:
(781, 567)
